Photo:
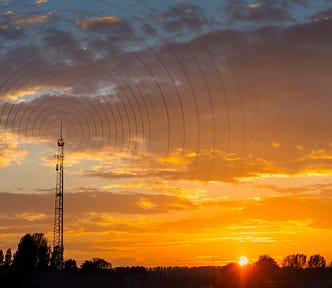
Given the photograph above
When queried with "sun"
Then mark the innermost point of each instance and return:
(243, 260)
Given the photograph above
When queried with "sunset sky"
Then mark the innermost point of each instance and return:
(195, 131)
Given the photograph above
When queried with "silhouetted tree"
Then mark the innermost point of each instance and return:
(317, 261)
(2, 261)
(7, 261)
(8, 258)
(265, 269)
(70, 265)
(230, 276)
(33, 253)
(2, 258)
(96, 265)
(295, 261)
(266, 262)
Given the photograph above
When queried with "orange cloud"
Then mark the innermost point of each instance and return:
(276, 145)
(24, 94)
(10, 151)
(253, 5)
(31, 216)
(87, 24)
(39, 2)
(203, 165)
(19, 20)
(320, 154)
(146, 204)
(182, 188)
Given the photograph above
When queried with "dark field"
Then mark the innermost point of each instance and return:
(230, 276)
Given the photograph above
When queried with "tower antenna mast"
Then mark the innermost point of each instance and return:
(57, 257)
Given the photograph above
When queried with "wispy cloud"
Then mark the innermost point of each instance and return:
(37, 2)
(21, 20)
(11, 151)
(97, 23)
(31, 93)
(31, 216)
(260, 12)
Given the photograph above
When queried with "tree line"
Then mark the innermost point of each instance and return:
(32, 266)
(34, 254)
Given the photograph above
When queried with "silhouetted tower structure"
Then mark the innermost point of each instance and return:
(58, 261)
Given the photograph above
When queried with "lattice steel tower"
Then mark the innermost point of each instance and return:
(57, 256)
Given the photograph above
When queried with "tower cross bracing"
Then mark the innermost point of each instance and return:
(58, 248)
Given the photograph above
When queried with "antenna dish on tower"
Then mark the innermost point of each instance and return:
(60, 140)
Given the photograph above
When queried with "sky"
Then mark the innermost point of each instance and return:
(195, 131)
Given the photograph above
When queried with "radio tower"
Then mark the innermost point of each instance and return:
(58, 214)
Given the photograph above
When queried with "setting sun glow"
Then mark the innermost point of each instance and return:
(243, 260)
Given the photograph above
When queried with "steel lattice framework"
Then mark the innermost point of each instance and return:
(58, 213)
